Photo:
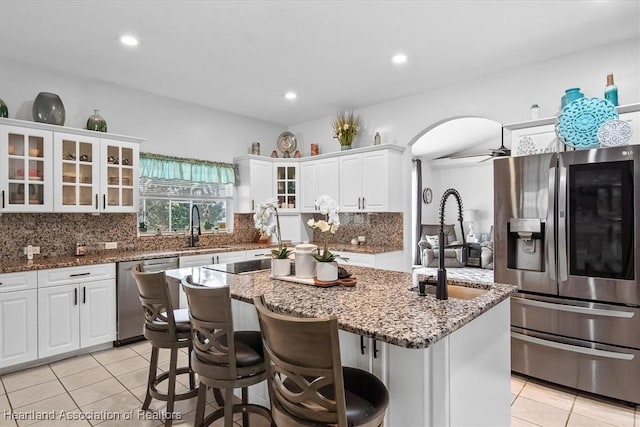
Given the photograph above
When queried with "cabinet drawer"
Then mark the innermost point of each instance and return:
(19, 281)
(87, 273)
(259, 253)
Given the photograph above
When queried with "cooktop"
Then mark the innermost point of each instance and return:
(242, 266)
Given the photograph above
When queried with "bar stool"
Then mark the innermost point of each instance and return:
(307, 384)
(223, 363)
(164, 327)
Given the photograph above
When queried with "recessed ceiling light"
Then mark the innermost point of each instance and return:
(399, 58)
(129, 40)
(290, 96)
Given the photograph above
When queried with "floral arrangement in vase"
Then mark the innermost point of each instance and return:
(329, 208)
(267, 221)
(345, 128)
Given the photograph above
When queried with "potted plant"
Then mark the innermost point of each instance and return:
(267, 221)
(345, 129)
(326, 266)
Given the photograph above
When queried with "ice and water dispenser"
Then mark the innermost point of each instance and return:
(525, 244)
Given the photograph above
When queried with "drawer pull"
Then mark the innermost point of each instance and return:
(362, 346)
(79, 274)
(576, 309)
(573, 348)
(75, 296)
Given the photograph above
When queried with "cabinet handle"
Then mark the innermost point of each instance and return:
(362, 346)
(375, 350)
(75, 296)
(358, 202)
(363, 203)
(104, 201)
(3, 198)
(253, 205)
(79, 274)
(97, 201)
(84, 301)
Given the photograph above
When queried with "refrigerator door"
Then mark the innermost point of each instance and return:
(598, 253)
(524, 222)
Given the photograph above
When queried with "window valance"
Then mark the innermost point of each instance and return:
(167, 168)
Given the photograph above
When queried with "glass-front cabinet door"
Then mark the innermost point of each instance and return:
(25, 169)
(119, 176)
(77, 173)
(287, 186)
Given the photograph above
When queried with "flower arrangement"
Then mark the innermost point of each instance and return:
(345, 128)
(328, 207)
(266, 220)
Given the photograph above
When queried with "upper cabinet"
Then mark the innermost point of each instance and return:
(25, 169)
(318, 177)
(364, 180)
(286, 186)
(255, 184)
(67, 170)
(369, 181)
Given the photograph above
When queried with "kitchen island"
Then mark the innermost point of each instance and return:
(445, 363)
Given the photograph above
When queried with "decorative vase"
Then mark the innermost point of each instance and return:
(305, 262)
(97, 122)
(611, 91)
(345, 147)
(327, 271)
(570, 95)
(48, 108)
(280, 267)
(4, 111)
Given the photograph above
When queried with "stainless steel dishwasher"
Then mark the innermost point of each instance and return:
(129, 309)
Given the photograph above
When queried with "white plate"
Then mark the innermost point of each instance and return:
(614, 133)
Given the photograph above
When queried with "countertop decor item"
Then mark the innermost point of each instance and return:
(96, 122)
(570, 95)
(4, 110)
(611, 90)
(345, 129)
(286, 143)
(578, 123)
(48, 108)
(267, 221)
(614, 133)
(329, 208)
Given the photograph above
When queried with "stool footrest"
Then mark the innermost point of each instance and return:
(238, 408)
(178, 396)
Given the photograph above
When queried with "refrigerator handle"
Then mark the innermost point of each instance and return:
(562, 222)
(551, 223)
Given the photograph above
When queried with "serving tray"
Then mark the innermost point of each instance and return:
(348, 282)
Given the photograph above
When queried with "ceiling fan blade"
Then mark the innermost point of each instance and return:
(466, 156)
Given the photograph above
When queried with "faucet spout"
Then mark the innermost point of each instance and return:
(194, 238)
(441, 288)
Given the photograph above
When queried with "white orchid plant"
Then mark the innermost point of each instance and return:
(267, 221)
(329, 208)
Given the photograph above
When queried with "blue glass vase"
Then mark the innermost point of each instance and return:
(570, 95)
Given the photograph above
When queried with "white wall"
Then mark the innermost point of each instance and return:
(504, 97)
(171, 127)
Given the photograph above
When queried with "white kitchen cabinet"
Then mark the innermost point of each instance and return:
(18, 318)
(48, 168)
(353, 258)
(255, 184)
(76, 308)
(258, 254)
(286, 186)
(26, 173)
(369, 181)
(319, 177)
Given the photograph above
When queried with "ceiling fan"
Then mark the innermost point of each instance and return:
(501, 151)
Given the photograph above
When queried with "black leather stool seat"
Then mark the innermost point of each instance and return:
(249, 349)
(366, 396)
(182, 321)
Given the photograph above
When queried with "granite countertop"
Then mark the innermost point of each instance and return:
(43, 262)
(380, 306)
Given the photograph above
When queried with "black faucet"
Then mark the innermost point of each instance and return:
(194, 238)
(441, 289)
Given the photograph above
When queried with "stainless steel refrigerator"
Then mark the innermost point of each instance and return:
(567, 234)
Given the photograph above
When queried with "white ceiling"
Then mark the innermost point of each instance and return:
(242, 56)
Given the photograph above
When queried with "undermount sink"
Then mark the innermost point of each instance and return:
(458, 292)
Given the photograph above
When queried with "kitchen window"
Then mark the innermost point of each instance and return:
(171, 186)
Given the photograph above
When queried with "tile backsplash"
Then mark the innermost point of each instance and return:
(57, 234)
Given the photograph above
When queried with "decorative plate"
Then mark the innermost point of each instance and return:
(614, 133)
(287, 142)
(578, 123)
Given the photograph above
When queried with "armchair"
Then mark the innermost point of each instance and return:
(429, 246)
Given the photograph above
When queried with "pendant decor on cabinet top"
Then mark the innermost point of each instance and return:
(48, 108)
(96, 122)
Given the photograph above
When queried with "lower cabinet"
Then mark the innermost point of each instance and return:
(78, 313)
(18, 318)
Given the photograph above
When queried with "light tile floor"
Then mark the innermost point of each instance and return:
(111, 383)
